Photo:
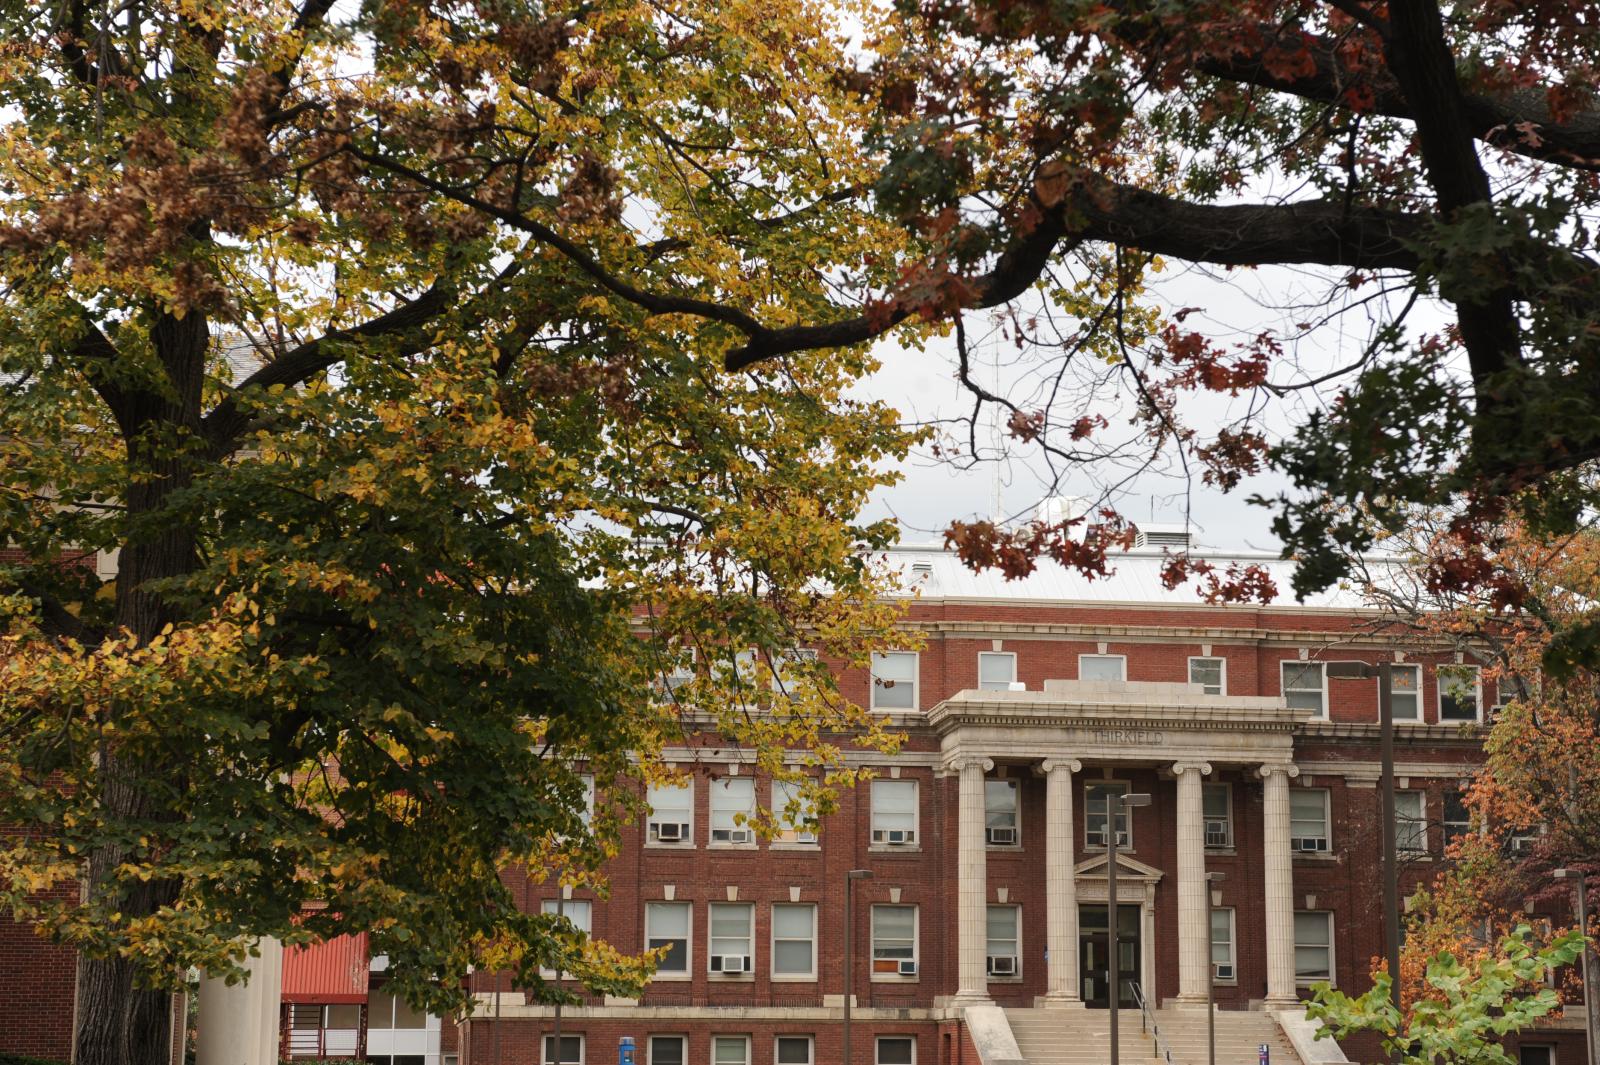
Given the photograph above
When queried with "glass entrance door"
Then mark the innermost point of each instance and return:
(1094, 955)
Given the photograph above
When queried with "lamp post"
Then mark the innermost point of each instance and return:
(1211, 970)
(1115, 805)
(850, 879)
(1391, 876)
(1589, 1004)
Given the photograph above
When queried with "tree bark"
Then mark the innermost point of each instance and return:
(119, 1023)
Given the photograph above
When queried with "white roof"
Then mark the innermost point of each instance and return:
(936, 573)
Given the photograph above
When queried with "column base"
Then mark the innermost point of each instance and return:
(1058, 1001)
(970, 998)
(1281, 1002)
(1187, 1002)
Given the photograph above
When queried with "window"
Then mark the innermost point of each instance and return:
(894, 940)
(730, 1050)
(789, 668)
(1222, 952)
(666, 924)
(588, 798)
(996, 670)
(671, 813)
(1308, 819)
(1004, 929)
(682, 670)
(795, 817)
(1507, 690)
(1457, 818)
(896, 1050)
(1410, 828)
(792, 1050)
(571, 1050)
(731, 938)
(1304, 687)
(1313, 947)
(1102, 667)
(1095, 807)
(1000, 813)
(1458, 693)
(1217, 812)
(579, 911)
(1210, 673)
(894, 812)
(388, 1011)
(733, 804)
(1536, 1054)
(894, 680)
(668, 1050)
(794, 941)
(1405, 692)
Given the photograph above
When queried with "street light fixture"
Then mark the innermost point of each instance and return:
(1384, 671)
(850, 879)
(1211, 970)
(1589, 1004)
(1115, 805)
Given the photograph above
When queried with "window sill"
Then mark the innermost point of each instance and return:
(689, 846)
(1003, 848)
(1006, 979)
(789, 978)
(883, 849)
(734, 978)
(893, 978)
(1222, 852)
(1315, 856)
(798, 848)
(730, 846)
(670, 978)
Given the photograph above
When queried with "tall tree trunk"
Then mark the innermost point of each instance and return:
(119, 1023)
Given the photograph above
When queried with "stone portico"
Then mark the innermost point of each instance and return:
(1176, 728)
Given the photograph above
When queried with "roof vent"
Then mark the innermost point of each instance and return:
(1162, 536)
(922, 568)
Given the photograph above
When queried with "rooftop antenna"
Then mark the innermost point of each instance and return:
(995, 430)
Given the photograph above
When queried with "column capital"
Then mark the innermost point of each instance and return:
(1050, 765)
(963, 762)
(1180, 768)
(1288, 769)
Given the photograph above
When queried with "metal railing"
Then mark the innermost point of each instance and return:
(1148, 1025)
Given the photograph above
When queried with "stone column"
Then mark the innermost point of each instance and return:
(1194, 938)
(1060, 883)
(1279, 877)
(972, 888)
(234, 1022)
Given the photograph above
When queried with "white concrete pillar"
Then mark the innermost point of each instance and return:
(1060, 883)
(972, 888)
(1194, 938)
(233, 1020)
(1279, 877)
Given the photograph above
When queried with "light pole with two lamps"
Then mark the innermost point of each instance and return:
(1589, 1003)
(1211, 970)
(850, 879)
(1115, 806)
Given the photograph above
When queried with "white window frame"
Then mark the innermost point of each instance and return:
(1550, 1049)
(726, 829)
(1297, 663)
(586, 926)
(1452, 830)
(719, 1036)
(1327, 821)
(1123, 659)
(989, 687)
(877, 1047)
(1221, 662)
(1407, 828)
(1016, 943)
(1226, 790)
(545, 1048)
(1233, 945)
(653, 823)
(810, 976)
(1416, 671)
(811, 1049)
(916, 680)
(791, 834)
(881, 833)
(781, 661)
(916, 941)
(712, 909)
(1477, 692)
(687, 973)
(650, 1047)
(1333, 968)
(1015, 826)
(1127, 815)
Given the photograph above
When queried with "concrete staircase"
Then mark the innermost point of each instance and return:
(1083, 1037)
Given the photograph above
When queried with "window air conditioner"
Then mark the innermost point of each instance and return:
(1002, 837)
(731, 835)
(1002, 965)
(1310, 843)
(1216, 833)
(899, 837)
(1098, 839)
(908, 968)
(1224, 972)
(670, 831)
(730, 963)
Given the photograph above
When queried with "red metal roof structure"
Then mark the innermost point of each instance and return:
(331, 972)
